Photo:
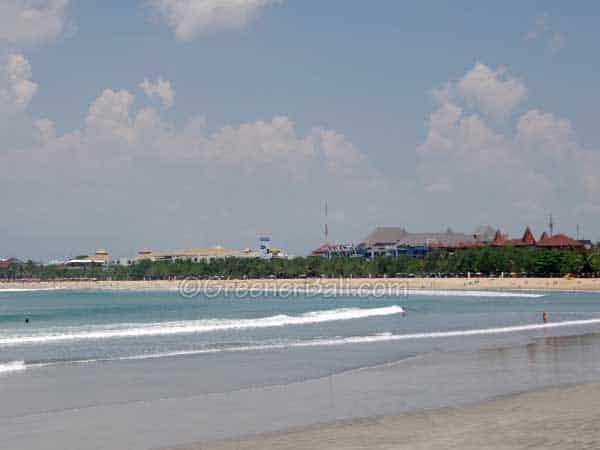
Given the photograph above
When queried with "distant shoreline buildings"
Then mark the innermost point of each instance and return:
(397, 241)
(382, 242)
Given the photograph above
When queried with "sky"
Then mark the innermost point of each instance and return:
(167, 124)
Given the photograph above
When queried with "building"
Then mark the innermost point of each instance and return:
(100, 258)
(396, 241)
(556, 241)
(10, 262)
(195, 255)
(334, 251)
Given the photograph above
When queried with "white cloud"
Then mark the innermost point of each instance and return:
(192, 18)
(125, 165)
(31, 21)
(46, 129)
(491, 91)
(544, 133)
(109, 116)
(225, 185)
(16, 87)
(161, 90)
(539, 166)
(343, 158)
(462, 144)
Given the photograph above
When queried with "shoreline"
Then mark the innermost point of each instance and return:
(523, 395)
(500, 284)
(563, 417)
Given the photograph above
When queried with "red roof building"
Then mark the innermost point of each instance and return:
(499, 239)
(558, 241)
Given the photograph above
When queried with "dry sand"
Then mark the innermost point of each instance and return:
(562, 419)
(583, 284)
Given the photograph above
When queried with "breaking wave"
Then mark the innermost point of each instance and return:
(12, 366)
(375, 338)
(195, 326)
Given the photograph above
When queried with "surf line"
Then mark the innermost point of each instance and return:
(200, 326)
(377, 338)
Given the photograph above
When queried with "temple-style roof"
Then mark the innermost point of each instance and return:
(499, 238)
(527, 240)
(559, 241)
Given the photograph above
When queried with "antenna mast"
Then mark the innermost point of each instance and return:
(551, 223)
(326, 225)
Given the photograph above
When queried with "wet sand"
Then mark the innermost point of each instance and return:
(583, 284)
(561, 418)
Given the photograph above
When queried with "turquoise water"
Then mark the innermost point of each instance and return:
(66, 326)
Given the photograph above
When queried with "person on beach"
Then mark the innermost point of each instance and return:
(544, 317)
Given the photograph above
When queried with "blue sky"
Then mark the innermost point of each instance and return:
(364, 70)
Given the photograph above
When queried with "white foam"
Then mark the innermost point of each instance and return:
(15, 290)
(467, 293)
(377, 291)
(370, 339)
(197, 326)
(332, 342)
(12, 366)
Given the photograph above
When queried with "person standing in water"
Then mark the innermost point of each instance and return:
(544, 317)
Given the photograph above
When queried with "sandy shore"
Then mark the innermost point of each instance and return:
(584, 284)
(562, 418)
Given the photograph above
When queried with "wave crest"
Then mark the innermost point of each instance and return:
(197, 326)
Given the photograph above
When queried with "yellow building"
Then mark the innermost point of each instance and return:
(100, 258)
(195, 254)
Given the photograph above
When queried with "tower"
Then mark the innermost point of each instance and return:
(326, 225)
(264, 245)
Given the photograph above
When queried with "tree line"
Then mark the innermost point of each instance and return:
(485, 260)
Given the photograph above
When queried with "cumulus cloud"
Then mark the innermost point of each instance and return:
(227, 184)
(31, 21)
(532, 168)
(46, 129)
(543, 132)
(207, 186)
(491, 91)
(16, 87)
(192, 18)
(108, 116)
(160, 90)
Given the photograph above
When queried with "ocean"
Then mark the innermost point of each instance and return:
(152, 369)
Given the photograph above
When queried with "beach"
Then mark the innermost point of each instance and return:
(561, 418)
(149, 368)
(506, 283)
